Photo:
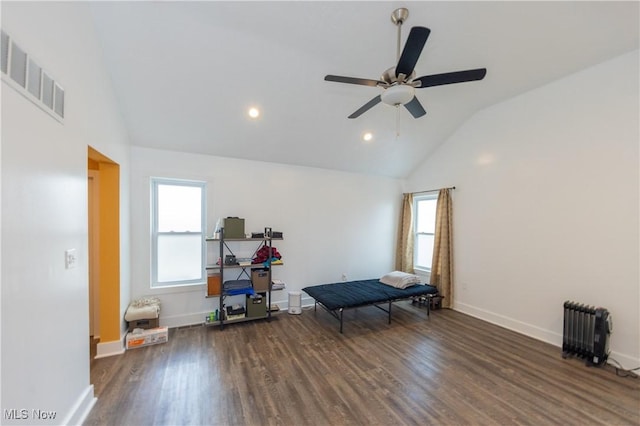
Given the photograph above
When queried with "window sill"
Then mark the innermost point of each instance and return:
(173, 289)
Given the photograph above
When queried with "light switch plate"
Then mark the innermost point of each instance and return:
(70, 259)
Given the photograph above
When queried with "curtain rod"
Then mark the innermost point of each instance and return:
(432, 190)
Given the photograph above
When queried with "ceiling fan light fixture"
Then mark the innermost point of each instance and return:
(398, 95)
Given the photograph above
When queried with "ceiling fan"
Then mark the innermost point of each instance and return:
(399, 82)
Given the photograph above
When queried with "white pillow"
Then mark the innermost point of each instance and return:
(400, 279)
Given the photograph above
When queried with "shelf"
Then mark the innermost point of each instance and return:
(253, 265)
(244, 268)
(208, 296)
(245, 239)
(233, 321)
(245, 319)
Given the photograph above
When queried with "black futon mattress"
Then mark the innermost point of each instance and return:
(352, 294)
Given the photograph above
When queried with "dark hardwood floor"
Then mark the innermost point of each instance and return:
(446, 369)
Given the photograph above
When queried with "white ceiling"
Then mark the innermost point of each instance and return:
(185, 73)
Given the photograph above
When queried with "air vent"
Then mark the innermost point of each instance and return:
(47, 90)
(18, 65)
(25, 75)
(5, 52)
(35, 79)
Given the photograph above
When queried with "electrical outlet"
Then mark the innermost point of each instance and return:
(70, 259)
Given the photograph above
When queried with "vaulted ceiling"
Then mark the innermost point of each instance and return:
(185, 73)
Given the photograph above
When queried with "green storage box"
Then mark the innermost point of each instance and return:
(233, 227)
(257, 305)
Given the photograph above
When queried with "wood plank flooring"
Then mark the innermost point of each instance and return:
(446, 369)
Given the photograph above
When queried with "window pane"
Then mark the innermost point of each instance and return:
(179, 257)
(426, 216)
(424, 250)
(179, 208)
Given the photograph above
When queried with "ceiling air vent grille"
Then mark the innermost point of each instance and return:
(24, 74)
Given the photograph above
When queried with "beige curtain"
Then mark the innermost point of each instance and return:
(442, 263)
(404, 249)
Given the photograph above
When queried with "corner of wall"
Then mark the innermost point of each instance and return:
(81, 408)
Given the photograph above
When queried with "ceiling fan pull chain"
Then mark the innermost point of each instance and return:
(397, 122)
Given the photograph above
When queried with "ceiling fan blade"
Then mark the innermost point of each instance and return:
(352, 80)
(415, 108)
(412, 49)
(451, 77)
(366, 107)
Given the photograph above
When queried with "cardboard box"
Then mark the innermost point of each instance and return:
(257, 305)
(213, 285)
(144, 323)
(233, 227)
(260, 279)
(152, 336)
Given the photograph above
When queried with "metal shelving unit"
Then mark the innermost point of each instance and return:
(243, 270)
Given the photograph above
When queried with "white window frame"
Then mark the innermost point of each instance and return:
(155, 182)
(416, 200)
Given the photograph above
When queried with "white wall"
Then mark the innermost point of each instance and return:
(45, 324)
(546, 205)
(333, 222)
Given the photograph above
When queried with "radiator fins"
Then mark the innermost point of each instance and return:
(586, 333)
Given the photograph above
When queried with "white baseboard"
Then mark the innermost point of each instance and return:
(81, 408)
(199, 318)
(510, 323)
(538, 333)
(625, 361)
(105, 349)
(304, 301)
(182, 320)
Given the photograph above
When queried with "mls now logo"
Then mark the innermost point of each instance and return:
(24, 414)
(16, 414)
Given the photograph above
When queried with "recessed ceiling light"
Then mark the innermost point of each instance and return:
(254, 112)
(367, 136)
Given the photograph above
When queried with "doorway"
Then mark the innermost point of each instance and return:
(105, 323)
(93, 185)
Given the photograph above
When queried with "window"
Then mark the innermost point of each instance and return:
(177, 232)
(424, 207)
